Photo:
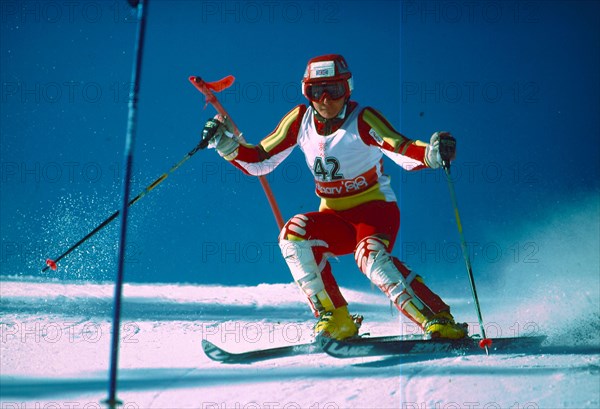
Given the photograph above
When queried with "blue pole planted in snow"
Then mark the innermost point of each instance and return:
(141, 6)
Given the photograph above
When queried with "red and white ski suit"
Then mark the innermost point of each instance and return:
(358, 211)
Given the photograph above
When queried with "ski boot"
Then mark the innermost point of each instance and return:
(338, 324)
(442, 325)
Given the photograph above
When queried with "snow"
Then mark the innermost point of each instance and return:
(55, 340)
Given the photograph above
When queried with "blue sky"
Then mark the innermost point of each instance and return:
(515, 82)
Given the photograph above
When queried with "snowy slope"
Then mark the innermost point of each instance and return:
(55, 352)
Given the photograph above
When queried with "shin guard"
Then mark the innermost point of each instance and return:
(307, 261)
(402, 286)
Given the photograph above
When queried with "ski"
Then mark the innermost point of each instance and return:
(220, 355)
(398, 345)
(414, 345)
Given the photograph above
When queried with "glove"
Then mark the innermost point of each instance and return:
(441, 150)
(217, 135)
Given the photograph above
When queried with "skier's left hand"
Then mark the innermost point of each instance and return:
(441, 150)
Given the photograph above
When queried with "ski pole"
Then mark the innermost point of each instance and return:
(484, 342)
(207, 89)
(52, 263)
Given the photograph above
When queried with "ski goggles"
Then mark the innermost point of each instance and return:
(333, 90)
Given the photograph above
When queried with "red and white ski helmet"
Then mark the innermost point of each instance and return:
(327, 68)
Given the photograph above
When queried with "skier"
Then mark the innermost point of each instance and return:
(343, 144)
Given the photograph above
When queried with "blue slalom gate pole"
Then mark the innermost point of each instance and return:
(141, 6)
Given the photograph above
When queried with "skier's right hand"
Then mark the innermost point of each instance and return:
(217, 135)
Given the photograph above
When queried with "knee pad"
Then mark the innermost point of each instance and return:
(295, 228)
